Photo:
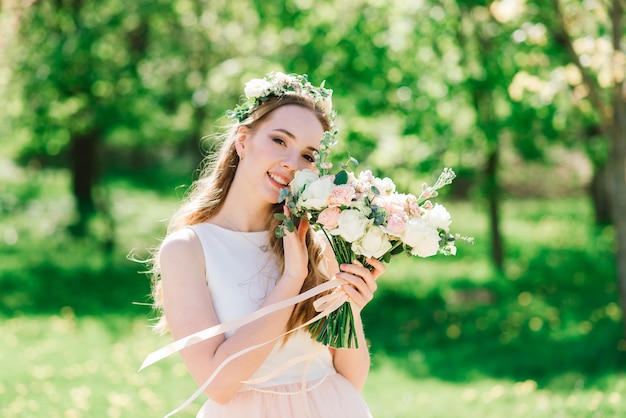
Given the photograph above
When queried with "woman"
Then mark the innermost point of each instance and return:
(221, 261)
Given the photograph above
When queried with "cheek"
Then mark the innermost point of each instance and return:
(304, 164)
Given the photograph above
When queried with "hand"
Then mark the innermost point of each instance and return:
(360, 281)
(295, 249)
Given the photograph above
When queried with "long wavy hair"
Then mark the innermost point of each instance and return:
(206, 196)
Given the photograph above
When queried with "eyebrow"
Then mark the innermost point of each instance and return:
(292, 136)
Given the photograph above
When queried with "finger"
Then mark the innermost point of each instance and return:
(362, 285)
(378, 266)
(303, 227)
(358, 270)
(359, 298)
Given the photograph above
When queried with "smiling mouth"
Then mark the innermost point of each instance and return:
(278, 179)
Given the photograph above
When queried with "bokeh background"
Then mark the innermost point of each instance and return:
(107, 107)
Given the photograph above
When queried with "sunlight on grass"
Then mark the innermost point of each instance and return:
(61, 366)
(393, 394)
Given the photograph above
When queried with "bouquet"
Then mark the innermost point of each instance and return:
(364, 216)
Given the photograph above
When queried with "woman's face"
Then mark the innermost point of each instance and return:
(282, 144)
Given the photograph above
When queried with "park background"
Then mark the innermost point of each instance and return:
(108, 106)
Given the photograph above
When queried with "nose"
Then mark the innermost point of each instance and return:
(290, 161)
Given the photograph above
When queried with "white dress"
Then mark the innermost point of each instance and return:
(241, 272)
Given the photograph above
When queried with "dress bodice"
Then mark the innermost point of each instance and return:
(240, 273)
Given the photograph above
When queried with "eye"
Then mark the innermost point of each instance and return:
(279, 141)
(309, 158)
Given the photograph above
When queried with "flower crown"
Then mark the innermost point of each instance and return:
(259, 90)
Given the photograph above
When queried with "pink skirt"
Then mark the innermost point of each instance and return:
(329, 397)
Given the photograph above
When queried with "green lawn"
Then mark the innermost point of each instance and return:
(450, 337)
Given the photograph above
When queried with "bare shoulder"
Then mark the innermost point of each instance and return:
(183, 239)
(181, 247)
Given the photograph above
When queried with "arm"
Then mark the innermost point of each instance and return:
(188, 309)
(354, 363)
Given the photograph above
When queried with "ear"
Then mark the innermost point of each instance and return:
(241, 138)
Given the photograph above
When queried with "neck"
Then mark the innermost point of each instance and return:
(242, 216)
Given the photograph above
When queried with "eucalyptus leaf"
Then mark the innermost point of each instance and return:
(341, 178)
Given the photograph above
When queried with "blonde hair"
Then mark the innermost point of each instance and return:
(206, 196)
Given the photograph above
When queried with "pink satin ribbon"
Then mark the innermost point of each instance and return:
(324, 305)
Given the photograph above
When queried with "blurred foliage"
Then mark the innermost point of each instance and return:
(418, 85)
(411, 79)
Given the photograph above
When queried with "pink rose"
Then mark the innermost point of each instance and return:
(329, 218)
(341, 195)
(394, 204)
(395, 226)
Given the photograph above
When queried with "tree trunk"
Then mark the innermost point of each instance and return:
(599, 189)
(618, 176)
(493, 199)
(618, 154)
(83, 165)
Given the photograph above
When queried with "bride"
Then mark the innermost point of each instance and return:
(220, 261)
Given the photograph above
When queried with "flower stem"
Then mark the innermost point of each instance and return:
(337, 329)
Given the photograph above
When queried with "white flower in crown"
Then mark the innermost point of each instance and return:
(283, 79)
(279, 84)
(327, 103)
(256, 88)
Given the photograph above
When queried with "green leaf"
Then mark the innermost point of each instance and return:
(280, 216)
(341, 178)
(283, 195)
(399, 249)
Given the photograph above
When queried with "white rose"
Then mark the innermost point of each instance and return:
(438, 217)
(421, 237)
(315, 195)
(373, 244)
(361, 206)
(301, 179)
(351, 225)
(256, 88)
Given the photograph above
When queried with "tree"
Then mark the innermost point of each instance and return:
(100, 77)
(591, 36)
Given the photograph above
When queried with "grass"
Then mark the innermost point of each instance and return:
(450, 337)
